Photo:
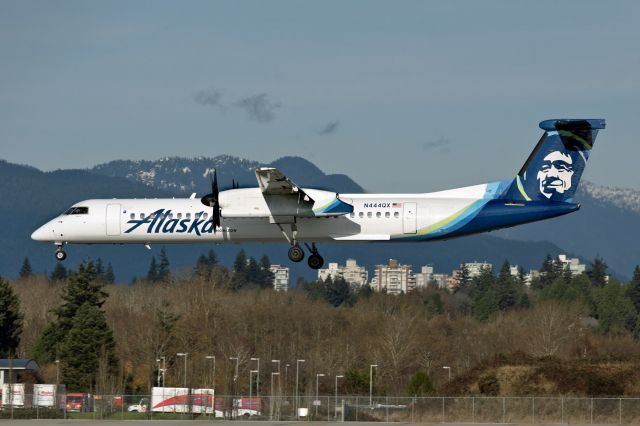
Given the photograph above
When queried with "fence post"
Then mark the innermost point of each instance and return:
(443, 417)
(620, 411)
(591, 410)
(473, 409)
(533, 409)
(562, 409)
(357, 408)
(413, 407)
(387, 408)
(504, 410)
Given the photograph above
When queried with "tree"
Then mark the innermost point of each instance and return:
(25, 270)
(88, 343)
(59, 272)
(152, 275)
(109, 276)
(10, 320)
(464, 279)
(164, 270)
(547, 272)
(505, 288)
(420, 385)
(634, 288)
(337, 291)
(83, 287)
(99, 269)
(486, 306)
(239, 278)
(598, 272)
(266, 276)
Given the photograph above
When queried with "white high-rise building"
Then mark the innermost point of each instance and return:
(424, 276)
(574, 264)
(475, 268)
(352, 273)
(394, 278)
(280, 277)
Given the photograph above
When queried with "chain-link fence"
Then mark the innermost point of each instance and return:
(534, 410)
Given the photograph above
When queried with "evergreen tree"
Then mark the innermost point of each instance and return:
(547, 272)
(634, 288)
(598, 272)
(614, 309)
(25, 270)
(464, 279)
(253, 272)
(505, 288)
(59, 272)
(10, 320)
(152, 275)
(420, 385)
(486, 305)
(82, 287)
(266, 276)
(337, 291)
(567, 275)
(99, 269)
(88, 344)
(239, 277)
(212, 259)
(164, 270)
(109, 276)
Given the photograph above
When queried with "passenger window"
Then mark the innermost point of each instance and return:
(352, 214)
(369, 214)
(396, 214)
(205, 215)
(188, 215)
(179, 215)
(387, 215)
(133, 216)
(361, 215)
(378, 214)
(141, 215)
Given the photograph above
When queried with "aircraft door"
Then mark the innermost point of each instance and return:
(410, 218)
(113, 219)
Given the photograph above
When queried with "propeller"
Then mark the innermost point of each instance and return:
(211, 200)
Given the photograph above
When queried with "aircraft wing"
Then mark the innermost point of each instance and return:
(273, 182)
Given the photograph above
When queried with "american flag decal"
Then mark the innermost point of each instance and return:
(396, 205)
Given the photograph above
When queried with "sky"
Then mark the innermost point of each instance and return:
(405, 96)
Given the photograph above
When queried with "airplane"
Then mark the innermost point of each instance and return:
(278, 210)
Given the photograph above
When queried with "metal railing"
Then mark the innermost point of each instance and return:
(470, 409)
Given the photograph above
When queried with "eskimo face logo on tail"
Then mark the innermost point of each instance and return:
(555, 174)
(162, 221)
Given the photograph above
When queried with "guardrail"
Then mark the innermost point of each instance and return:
(473, 409)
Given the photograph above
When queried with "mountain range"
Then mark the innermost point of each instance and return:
(28, 197)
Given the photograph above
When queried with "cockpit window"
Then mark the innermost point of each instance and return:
(77, 210)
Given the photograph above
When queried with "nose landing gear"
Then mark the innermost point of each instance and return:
(60, 253)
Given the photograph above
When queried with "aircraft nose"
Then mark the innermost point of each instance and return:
(42, 234)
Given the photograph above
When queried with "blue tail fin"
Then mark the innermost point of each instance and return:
(553, 170)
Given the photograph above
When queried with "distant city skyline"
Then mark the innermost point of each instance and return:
(402, 97)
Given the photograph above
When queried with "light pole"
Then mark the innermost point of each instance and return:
(286, 378)
(57, 374)
(251, 383)
(184, 354)
(371, 367)
(335, 407)
(159, 371)
(279, 388)
(257, 377)
(235, 375)
(273, 373)
(297, 404)
(446, 367)
(213, 370)
(317, 401)
(162, 370)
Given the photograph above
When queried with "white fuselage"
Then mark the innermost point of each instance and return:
(245, 217)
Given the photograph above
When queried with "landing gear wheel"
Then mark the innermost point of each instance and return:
(315, 261)
(61, 255)
(296, 254)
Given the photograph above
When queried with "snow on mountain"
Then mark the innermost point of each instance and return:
(624, 198)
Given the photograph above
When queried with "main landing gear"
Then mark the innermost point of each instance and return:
(296, 254)
(60, 253)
